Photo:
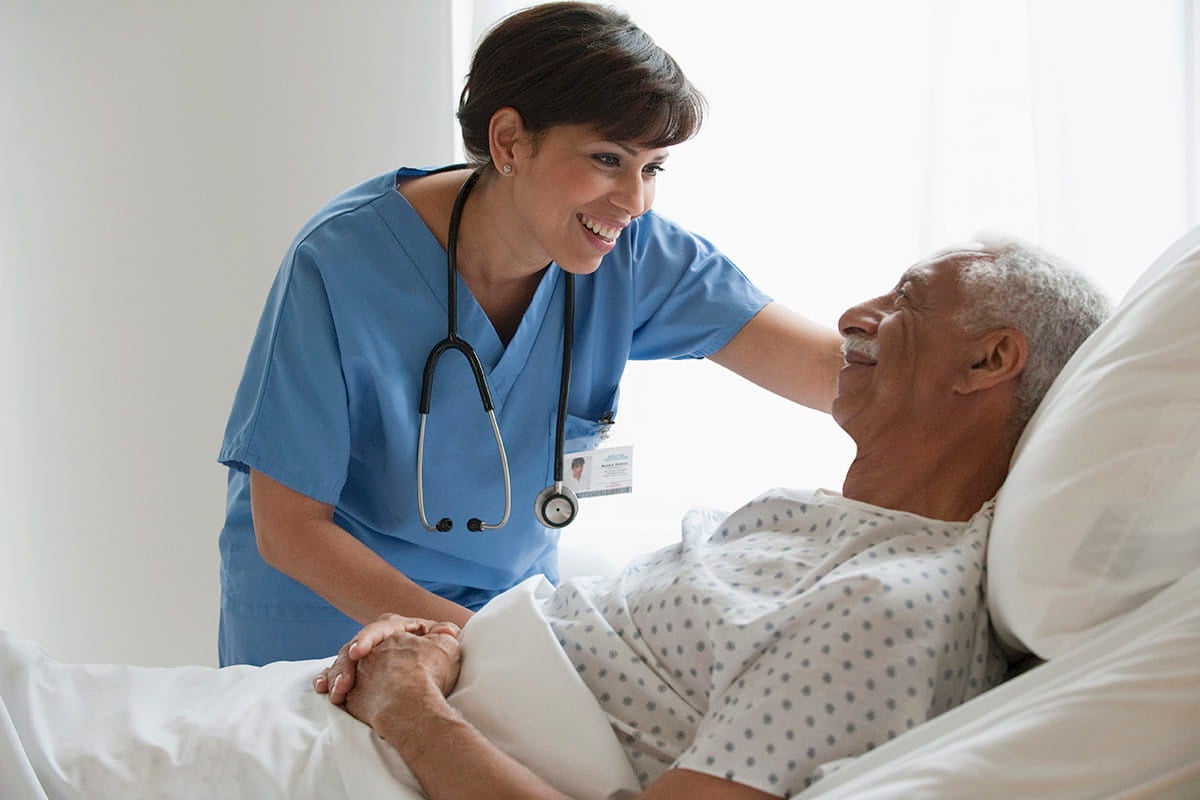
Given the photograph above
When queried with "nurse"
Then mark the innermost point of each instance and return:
(568, 116)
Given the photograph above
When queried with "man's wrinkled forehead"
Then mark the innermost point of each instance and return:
(922, 270)
(968, 251)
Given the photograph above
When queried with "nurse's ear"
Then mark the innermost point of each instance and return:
(508, 140)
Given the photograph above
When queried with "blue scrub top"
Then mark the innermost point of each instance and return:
(328, 403)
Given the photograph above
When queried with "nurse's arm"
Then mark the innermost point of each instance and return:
(297, 536)
(787, 354)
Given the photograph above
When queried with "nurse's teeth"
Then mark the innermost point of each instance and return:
(603, 231)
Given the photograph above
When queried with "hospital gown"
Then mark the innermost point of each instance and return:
(802, 629)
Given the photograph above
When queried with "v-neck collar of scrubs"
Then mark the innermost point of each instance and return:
(502, 364)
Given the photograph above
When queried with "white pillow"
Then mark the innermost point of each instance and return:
(1101, 509)
(1116, 717)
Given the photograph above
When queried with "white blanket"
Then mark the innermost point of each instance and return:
(101, 731)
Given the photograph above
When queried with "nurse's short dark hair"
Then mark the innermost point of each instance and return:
(578, 64)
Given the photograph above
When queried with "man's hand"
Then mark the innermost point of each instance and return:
(400, 672)
(340, 677)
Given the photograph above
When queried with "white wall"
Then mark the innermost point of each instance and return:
(155, 161)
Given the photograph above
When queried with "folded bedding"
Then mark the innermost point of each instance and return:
(70, 731)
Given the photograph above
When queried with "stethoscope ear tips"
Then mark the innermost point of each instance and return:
(444, 525)
(474, 525)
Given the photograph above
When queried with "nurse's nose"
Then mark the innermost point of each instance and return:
(632, 194)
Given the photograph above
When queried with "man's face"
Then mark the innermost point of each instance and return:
(904, 351)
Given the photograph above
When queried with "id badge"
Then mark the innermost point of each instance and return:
(599, 472)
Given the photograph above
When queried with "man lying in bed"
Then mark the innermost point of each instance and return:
(805, 627)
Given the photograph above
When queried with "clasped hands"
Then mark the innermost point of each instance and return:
(392, 661)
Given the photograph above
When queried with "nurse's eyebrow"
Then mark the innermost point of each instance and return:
(633, 151)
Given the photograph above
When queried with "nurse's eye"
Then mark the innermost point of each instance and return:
(654, 169)
(608, 159)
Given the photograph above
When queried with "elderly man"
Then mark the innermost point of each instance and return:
(806, 627)
(803, 629)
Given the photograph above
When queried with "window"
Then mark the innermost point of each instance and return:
(847, 140)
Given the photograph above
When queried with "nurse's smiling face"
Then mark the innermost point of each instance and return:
(575, 193)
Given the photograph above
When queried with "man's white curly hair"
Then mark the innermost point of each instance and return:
(1011, 283)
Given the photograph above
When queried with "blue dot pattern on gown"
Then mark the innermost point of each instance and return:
(771, 643)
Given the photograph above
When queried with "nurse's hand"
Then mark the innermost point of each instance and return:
(401, 676)
(339, 677)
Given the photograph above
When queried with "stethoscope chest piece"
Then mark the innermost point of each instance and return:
(556, 506)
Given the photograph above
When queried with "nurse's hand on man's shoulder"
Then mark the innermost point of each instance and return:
(338, 678)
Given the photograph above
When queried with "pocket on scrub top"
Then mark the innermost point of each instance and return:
(586, 433)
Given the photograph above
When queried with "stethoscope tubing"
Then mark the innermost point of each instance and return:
(564, 385)
(443, 525)
(454, 342)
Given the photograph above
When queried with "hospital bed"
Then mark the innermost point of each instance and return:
(1093, 567)
(1093, 583)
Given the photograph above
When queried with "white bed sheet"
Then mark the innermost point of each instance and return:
(69, 732)
(1118, 717)
(16, 773)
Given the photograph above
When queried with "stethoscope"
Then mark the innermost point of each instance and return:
(556, 505)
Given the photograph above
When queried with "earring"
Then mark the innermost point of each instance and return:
(506, 169)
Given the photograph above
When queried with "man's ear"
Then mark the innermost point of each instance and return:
(508, 140)
(994, 358)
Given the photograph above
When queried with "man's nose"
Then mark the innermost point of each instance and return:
(862, 318)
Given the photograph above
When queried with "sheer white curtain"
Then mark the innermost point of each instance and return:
(846, 140)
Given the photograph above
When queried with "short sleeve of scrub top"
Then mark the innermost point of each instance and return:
(291, 420)
(328, 402)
